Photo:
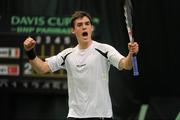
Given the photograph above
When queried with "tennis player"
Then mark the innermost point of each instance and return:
(87, 66)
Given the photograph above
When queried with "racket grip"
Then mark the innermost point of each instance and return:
(135, 66)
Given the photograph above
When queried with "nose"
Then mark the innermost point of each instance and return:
(84, 26)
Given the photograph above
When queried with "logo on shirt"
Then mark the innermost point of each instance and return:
(80, 65)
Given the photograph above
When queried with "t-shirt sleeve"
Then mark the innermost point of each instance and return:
(58, 62)
(114, 56)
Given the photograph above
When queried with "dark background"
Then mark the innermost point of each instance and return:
(156, 29)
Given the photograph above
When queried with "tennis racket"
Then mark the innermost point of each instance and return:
(128, 9)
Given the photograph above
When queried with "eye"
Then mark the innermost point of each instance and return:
(79, 24)
(87, 23)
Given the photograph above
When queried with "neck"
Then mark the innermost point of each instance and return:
(84, 45)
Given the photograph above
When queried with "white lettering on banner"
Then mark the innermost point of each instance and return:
(3, 70)
(4, 52)
(8, 69)
(4, 83)
(35, 84)
(8, 52)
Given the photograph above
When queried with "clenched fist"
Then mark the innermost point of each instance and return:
(133, 47)
(29, 44)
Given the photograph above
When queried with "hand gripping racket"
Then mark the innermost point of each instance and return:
(128, 14)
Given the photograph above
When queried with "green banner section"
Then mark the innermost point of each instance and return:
(39, 24)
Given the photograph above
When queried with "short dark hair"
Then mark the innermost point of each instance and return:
(79, 14)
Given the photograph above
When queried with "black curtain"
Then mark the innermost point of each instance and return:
(156, 26)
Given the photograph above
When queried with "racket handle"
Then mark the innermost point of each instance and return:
(135, 66)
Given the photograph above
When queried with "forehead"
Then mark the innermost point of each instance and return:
(82, 19)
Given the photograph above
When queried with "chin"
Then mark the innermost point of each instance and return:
(86, 38)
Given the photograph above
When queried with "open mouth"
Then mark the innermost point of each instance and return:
(84, 34)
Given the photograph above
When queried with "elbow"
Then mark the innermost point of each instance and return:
(43, 69)
(42, 72)
(40, 66)
(128, 67)
(125, 64)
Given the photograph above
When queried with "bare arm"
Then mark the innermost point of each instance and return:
(126, 63)
(38, 65)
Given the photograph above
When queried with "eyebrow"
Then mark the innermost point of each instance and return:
(84, 22)
(87, 22)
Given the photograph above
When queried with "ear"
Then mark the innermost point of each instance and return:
(92, 28)
(72, 30)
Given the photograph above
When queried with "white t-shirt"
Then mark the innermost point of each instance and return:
(88, 78)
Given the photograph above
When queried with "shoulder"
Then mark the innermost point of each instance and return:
(102, 46)
(66, 51)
